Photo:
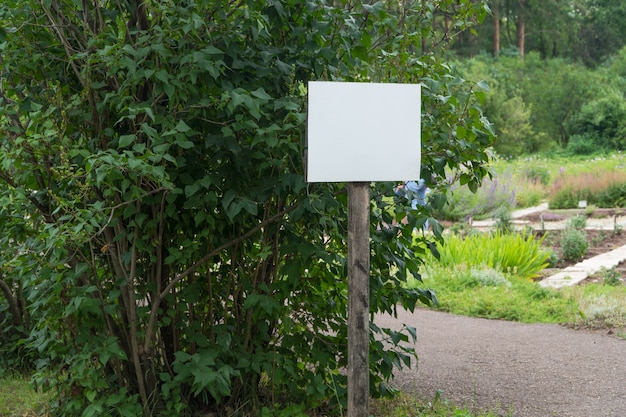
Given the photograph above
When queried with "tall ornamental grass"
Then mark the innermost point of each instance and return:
(565, 181)
(601, 188)
(514, 253)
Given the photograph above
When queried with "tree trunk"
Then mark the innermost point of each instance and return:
(496, 33)
(520, 29)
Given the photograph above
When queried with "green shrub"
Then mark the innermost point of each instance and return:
(602, 122)
(553, 259)
(577, 222)
(573, 244)
(610, 276)
(581, 145)
(503, 220)
(613, 196)
(568, 198)
(537, 174)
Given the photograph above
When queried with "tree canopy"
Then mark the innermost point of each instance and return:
(585, 30)
(161, 252)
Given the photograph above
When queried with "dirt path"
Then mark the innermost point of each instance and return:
(531, 370)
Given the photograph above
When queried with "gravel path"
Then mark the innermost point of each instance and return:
(529, 370)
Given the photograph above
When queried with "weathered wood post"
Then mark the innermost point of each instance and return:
(358, 133)
(358, 298)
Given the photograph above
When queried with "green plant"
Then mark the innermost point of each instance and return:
(503, 218)
(158, 232)
(19, 398)
(581, 145)
(577, 222)
(610, 276)
(613, 195)
(574, 244)
(523, 300)
(405, 405)
(488, 277)
(514, 252)
(537, 175)
(590, 209)
(553, 259)
(600, 124)
(603, 311)
(598, 238)
(460, 229)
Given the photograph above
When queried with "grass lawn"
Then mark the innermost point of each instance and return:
(19, 399)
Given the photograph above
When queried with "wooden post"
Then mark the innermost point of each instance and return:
(358, 298)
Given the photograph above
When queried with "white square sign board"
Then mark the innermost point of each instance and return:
(363, 132)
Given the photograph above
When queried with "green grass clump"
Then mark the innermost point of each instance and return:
(515, 253)
(18, 398)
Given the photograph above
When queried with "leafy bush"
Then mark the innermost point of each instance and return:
(601, 124)
(553, 258)
(612, 196)
(610, 276)
(511, 118)
(537, 174)
(577, 222)
(568, 197)
(581, 145)
(503, 218)
(515, 253)
(574, 244)
(179, 262)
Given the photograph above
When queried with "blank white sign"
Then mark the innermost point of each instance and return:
(363, 132)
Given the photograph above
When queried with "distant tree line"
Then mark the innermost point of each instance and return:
(585, 30)
(556, 72)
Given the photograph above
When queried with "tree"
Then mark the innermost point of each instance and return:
(521, 28)
(172, 257)
(495, 10)
(599, 35)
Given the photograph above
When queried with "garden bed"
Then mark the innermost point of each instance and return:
(608, 236)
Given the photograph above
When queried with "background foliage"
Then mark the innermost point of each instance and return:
(161, 252)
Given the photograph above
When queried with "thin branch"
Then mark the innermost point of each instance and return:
(132, 318)
(65, 43)
(13, 308)
(226, 245)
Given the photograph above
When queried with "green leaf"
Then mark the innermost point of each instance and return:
(126, 140)
(260, 93)
(483, 85)
(182, 127)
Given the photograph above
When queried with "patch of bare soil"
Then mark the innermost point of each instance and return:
(555, 215)
(599, 241)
